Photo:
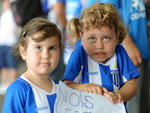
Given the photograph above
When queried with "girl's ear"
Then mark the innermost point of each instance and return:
(81, 34)
(22, 52)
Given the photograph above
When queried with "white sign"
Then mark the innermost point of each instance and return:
(74, 101)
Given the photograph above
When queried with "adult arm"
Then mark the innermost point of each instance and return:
(147, 1)
(132, 50)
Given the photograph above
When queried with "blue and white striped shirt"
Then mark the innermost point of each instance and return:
(24, 97)
(111, 75)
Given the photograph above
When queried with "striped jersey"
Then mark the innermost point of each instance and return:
(24, 97)
(111, 75)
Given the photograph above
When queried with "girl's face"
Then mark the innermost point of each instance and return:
(41, 57)
(99, 43)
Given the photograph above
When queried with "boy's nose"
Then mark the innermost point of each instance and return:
(99, 44)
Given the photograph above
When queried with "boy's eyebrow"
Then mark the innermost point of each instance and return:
(93, 34)
(103, 34)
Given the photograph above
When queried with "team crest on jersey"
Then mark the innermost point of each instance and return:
(115, 78)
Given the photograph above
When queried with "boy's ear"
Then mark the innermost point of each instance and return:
(22, 52)
(117, 38)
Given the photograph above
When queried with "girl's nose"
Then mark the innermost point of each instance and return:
(45, 54)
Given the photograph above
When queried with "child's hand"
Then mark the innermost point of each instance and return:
(93, 88)
(113, 97)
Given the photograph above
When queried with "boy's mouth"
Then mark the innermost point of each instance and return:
(100, 54)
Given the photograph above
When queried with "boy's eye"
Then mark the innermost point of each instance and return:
(92, 38)
(106, 38)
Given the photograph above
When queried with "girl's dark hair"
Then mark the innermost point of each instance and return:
(37, 25)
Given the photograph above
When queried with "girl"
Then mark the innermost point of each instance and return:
(101, 65)
(34, 91)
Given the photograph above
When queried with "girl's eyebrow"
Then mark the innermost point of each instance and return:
(36, 44)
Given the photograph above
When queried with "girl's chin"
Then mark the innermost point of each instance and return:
(45, 73)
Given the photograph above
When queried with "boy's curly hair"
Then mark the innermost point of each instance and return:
(97, 15)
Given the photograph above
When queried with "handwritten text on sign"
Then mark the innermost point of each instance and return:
(74, 101)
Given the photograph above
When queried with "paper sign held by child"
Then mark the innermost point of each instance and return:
(74, 101)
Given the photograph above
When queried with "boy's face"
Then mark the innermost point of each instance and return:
(99, 43)
(42, 57)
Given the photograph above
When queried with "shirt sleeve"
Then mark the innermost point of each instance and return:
(74, 64)
(127, 69)
(15, 98)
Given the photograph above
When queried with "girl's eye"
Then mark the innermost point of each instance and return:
(52, 48)
(92, 38)
(106, 38)
(38, 48)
